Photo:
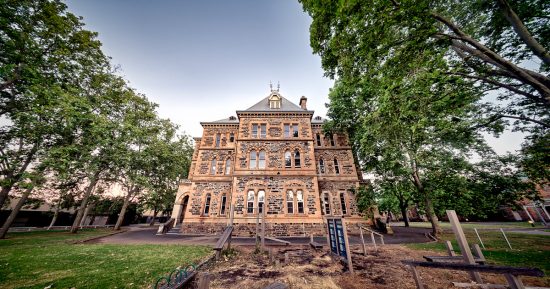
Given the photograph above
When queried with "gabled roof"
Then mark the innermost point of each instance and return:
(286, 105)
(229, 120)
(319, 120)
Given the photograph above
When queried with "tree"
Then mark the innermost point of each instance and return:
(46, 58)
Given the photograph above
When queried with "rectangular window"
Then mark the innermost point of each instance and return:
(213, 167)
(318, 140)
(326, 203)
(287, 130)
(261, 160)
(261, 199)
(290, 202)
(300, 202)
(222, 210)
(295, 130)
(343, 203)
(253, 160)
(250, 202)
(254, 130)
(263, 131)
(218, 140)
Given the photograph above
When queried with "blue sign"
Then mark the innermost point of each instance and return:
(337, 237)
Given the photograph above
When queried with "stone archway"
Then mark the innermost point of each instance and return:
(183, 208)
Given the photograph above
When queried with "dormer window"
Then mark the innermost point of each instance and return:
(274, 101)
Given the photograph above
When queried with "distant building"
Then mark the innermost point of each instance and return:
(273, 155)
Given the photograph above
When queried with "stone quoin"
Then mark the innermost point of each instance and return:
(273, 153)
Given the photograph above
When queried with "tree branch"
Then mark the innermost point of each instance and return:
(523, 32)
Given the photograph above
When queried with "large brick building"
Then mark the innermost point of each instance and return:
(274, 153)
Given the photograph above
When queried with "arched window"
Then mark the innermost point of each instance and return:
(331, 140)
(253, 163)
(231, 137)
(321, 166)
(222, 207)
(297, 159)
(288, 159)
(318, 137)
(261, 200)
(261, 160)
(207, 204)
(343, 203)
(326, 203)
(213, 167)
(227, 166)
(250, 202)
(290, 202)
(218, 140)
(336, 167)
(300, 202)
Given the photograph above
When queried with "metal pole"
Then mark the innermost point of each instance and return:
(481, 242)
(505, 238)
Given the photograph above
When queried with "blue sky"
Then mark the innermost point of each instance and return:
(202, 60)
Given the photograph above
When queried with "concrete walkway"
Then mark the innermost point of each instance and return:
(147, 235)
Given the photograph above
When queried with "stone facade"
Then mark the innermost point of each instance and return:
(273, 155)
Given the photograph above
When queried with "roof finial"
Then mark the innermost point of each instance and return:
(278, 86)
(270, 86)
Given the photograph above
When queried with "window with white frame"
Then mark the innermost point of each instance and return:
(207, 204)
(223, 204)
(343, 203)
(227, 166)
(213, 167)
(290, 202)
(300, 201)
(250, 202)
(253, 161)
(261, 200)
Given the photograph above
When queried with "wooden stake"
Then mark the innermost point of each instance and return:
(204, 281)
(231, 215)
(479, 238)
(478, 253)
(287, 259)
(263, 228)
(450, 249)
(373, 240)
(416, 277)
(463, 244)
(506, 238)
(363, 241)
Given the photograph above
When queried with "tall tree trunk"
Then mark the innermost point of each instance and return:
(430, 213)
(14, 212)
(155, 212)
(84, 203)
(55, 214)
(4, 194)
(404, 213)
(86, 213)
(123, 210)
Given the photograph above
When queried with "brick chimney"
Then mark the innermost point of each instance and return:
(303, 101)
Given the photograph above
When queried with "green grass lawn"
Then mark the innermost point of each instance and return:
(478, 225)
(41, 259)
(527, 250)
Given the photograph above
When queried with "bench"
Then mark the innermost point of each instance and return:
(511, 273)
(225, 237)
(314, 244)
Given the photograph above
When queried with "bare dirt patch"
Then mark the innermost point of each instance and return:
(309, 268)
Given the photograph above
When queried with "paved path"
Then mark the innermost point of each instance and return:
(148, 236)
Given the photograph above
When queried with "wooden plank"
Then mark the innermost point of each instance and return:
(489, 286)
(478, 253)
(278, 240)
(204, 281)
(463, 244)
(348, 249)
(416, 277)
(316, 245)
(450, 249)
(449, 258)
(514, 282)
(277, 285)
(518, 271)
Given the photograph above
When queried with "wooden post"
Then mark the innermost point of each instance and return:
(529, 215)
(506, 238)
(382, 240)
(231, 215)
(514, 281)
(450, 249)
(479, 238)
(257, 226)
(346, 241)
(463, 244)
(416, 277)
(271, 256)
(287, 259)
(373, 240)
(263, 228)
(363, 240)
(478, 252)
(204, 281)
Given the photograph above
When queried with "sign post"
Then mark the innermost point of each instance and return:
(338, 239)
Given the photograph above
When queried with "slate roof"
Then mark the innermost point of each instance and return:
(286, 105)
(318, 119)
